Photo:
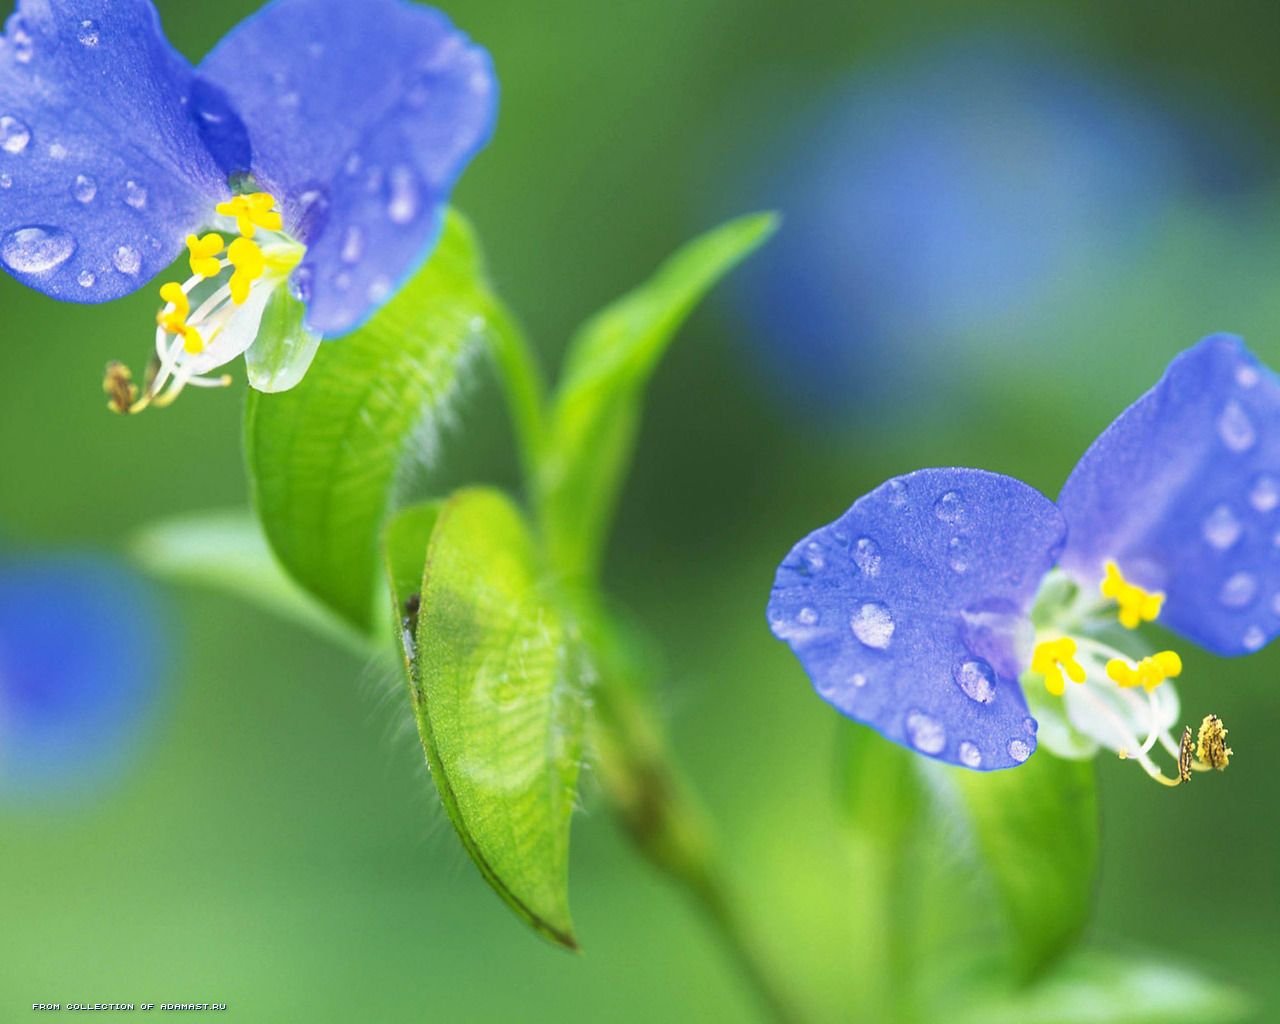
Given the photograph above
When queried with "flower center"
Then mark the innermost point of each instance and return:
(213, 316)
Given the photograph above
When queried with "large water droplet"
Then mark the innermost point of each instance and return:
(36, 250)
(1253, 638)
(87, 278)
(958, 552)
(405, 201)
(873, 625)
(1019, 750)
(970, 755)
(950, 508)
(84, 188)
(88, 34)
(1221, 528)
(14, 134)
(977, 679)
(127, 259)
(1238, 590)
(925, 733)
(135, 195)
(352, 244)
(1235, 428)
(866, 556)
(1264, 495)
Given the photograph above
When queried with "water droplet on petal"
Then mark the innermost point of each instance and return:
(342, 282)
(20, 38)
(302, 283)
(970, 755)
(1019, 750)
(127, 259)
(352, 244)
(896, 493)
(353, 164)
(14, 135)
(1264, 495)
(950, 508)
(873, 625)
(814, 557)
(807, 616)
(926, 734)
(1031, 726)
(6, 181)
(36, 250)
(1221, 528)
(57, 151)
(858, 679)
(1235, 428)
(866, 556)
(958, 550)
(88, 34)
(84, 188)
(1247, 376)
(379, 289)
(1238, 590)
(1254, 638)
(87, 279)
(135, 195)
(405, 201)
(977, 679)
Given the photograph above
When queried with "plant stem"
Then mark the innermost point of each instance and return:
(524, 388)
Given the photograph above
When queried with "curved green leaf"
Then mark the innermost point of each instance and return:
(497, 673)
(323, 458)
(597, 409)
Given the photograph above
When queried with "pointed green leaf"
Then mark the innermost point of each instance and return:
(597, 409)
(497, 673)
(323, 458)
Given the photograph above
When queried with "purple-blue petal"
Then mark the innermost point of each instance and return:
(80, 656)
(909, 612)
(361, 116)
(102, 169)
(1183, 492)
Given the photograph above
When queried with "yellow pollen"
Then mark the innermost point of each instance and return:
(204, 254)
(252, 212)
(1136, 605)
(1211, 743)
(175, 322)
(249, 262)
(1148, 673)
(1051, 658)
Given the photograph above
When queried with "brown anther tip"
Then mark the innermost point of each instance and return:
(1211, 743)
(1185, 751)
(119, 388)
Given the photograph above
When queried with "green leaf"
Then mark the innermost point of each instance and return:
(1037, 832)
(1096, 988)
(284, 349)
(597, 409)
(324, 458)
(225, 551)
(497, 673)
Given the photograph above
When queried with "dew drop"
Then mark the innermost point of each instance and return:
(977, 679)
(36, 250)
(352, 244)
(1235, 428)
(84, 188)
(342, 282)
(1238, 590)
(1253, 638)
(858, 680)
(1247, 376)
(302, 283)
(58, 151)
(6, 181)
(814, 557)
(873, 625)
(1221, 528)
(807, 616)
(896, 493)
(23, 46)
(1019, 750)
(379, 289)
(405, 200)
(135, 195)
(88, 34)
(1265, 493)
(866, 556)
(1031, 726)
(950, 508)
(925, 733)
(127, 259)
(970, 755)
(14, 135)
(958, 550)
(87, 279)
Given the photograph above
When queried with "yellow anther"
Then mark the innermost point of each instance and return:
(252, 212)
(1136, 605)
(1052, 658)
(204, 254)
(1148, 673)
(119, 388)
(175, 322)
(249, 262)
(1211, 743)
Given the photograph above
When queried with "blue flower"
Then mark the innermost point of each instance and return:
(80, 657)
(316, 145)
(932, 609)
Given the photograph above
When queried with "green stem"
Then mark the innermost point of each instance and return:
(525, 390)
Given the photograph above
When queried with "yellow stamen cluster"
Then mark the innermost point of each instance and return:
(1211, 743)
(174, 320)
(1148, 673)
(247, 258)
(204, 254)
(1051, 658)
(1136, 605)
(253, 211)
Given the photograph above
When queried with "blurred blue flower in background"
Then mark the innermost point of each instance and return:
(341, 128)
(81, 653)
(933, 205)
(920, 610)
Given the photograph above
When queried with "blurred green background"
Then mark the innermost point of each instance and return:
(276, 845)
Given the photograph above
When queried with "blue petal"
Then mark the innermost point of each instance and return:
(79, 664)
(909, 612)
(1183, 491)
(102, 169)
(361, 116)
